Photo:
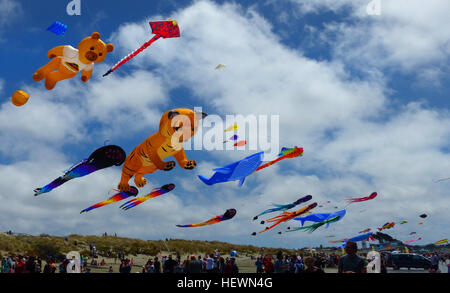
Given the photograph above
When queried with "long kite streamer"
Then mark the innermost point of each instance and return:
(313, 227)
(286, 216)
(365, 230)
(154, 193)
(336, 241)
(360, 199)
(229, 214)
(286, 153)
(164, 29)
(103, 157)
(285, 207)
(115, 198)
(409, 241)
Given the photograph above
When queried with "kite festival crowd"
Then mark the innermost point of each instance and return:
(351, 262)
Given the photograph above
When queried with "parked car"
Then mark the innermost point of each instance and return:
(408, 260)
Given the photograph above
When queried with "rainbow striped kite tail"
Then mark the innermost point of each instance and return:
(129, 206)
(130, 202)
(86, 210)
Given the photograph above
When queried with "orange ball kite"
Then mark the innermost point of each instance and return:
(20, 98)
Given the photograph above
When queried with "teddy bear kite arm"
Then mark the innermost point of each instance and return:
(57, 51)
(86, 75)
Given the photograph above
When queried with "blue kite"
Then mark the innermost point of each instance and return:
(236, 171)
(57, 28)
(314, 227)
(285, 207)
(320, 217)
(357, 238)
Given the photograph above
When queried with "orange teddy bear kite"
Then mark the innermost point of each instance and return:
(67, 61)
(176, 126)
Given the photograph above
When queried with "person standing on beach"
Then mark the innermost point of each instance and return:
(268, 265)
(210, 264)
(234, 267)
(258, 265)
(20, 265)
(195, 266)
(157, 265)
(280, 264)
(221, 265)
(169, 265)
(351, 262)
(435, 261)
(310, 266)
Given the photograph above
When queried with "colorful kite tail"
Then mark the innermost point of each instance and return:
(311, 228)
(154, 193)
(132, 55)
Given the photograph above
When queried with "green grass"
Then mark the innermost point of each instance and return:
(44, 245)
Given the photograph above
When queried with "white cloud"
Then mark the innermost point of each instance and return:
(409, 35)
(9, 9)
(10, 12)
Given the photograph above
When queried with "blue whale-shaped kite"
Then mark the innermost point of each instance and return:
(321, 217)
(236, 171)
(356, 238)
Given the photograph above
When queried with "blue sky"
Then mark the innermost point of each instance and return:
(366, 96)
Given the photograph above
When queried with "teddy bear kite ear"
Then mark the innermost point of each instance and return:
(95, 36)
(109, 47)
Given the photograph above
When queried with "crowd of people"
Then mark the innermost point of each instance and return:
(32, 264)
(351, 262)
(314, 263)
(212, 263)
